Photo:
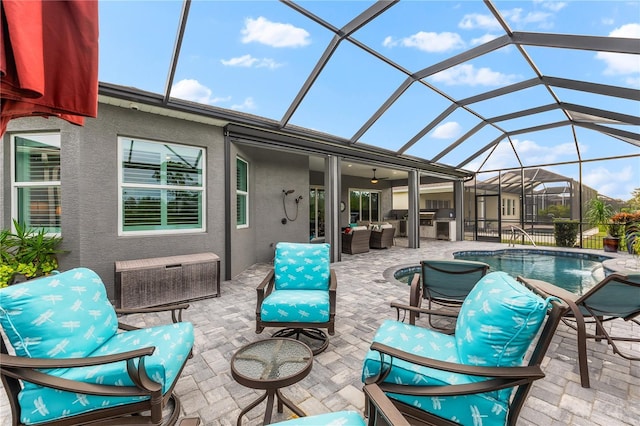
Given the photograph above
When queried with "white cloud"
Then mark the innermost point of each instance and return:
(476, 20)
(448, 130)
(274, 34)
(633, 81)
(389, 42)
(247, 104)
(529, 152)
(532, 153)
(428, 42)
(620, 63)
(483, 39)
(615, 183)
(554, 6)
(192, 90)
(467, 74)
(543, 19)
(248, 61)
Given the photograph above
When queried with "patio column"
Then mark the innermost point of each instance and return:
(458, 204)
(413, 220)
(332, 184)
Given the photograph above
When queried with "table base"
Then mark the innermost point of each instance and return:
(316, 339)
(270, 395)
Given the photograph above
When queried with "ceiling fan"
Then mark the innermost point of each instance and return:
(374, 179)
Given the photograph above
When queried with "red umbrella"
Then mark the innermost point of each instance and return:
(48, 60)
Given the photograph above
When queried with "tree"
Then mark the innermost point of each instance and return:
(634, 202)
(598, 212)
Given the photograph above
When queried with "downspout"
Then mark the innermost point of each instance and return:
(227, 205)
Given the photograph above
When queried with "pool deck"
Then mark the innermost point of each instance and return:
(226, 323)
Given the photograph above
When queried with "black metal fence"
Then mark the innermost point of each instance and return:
(542, 234)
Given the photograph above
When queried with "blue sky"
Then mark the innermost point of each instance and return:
(254, 56)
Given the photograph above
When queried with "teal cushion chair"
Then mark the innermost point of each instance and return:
(298, 294)
(446, 283)
(478, 375)
(72, 363)
(616, 297)
(379, 411)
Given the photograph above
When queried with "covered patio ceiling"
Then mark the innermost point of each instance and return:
(446, 87)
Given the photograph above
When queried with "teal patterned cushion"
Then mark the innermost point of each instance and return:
(296, 306)
(172, 344)
(341, 418)
(302, 266)
(464, 409)
(498, 321)
(67, 315)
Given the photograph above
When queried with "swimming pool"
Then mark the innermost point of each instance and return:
(575, 272)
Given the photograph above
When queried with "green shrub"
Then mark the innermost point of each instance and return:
(27, 252)
(566, 232)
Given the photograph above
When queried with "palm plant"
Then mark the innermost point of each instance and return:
(28, 252)
(598, 212)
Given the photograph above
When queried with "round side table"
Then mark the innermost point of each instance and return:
(271, 364)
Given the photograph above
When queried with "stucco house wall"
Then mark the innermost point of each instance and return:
(269, 173)
(89, 188)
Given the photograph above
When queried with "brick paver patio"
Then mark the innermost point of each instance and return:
(226, 323)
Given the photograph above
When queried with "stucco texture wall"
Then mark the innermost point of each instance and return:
(270, 172)
(90, 188)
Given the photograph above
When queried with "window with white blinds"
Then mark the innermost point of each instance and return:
(242, 193)
(36, 181)
(161, 186)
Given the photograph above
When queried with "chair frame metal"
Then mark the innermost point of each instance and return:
(437, 296)
(577, 318)
(521, 377)
(312, 330)
(14, 369)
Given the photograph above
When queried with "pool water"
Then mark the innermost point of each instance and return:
(575, 272)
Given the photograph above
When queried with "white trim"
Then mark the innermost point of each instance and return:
(16, 185)
(202, 189)
(245, 193)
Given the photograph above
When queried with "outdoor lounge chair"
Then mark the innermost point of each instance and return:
(446, 284)
(380, 411)
(615, 297)
(70, 365)
(382, 238)
(299, 294)
(481, 374)
(356, 241)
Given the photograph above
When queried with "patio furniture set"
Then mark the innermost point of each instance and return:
(67, 360)
(359, 239)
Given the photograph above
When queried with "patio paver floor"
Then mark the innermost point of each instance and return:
(226, 323)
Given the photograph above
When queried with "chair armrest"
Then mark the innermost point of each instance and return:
(264, 289)
(29, 369)
(333, 287)
(24, 362)
(380, 405)
(525, 372)
(419, 310)
(547, 289)
(176, 313)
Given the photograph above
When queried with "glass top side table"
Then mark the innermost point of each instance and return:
(271, 364)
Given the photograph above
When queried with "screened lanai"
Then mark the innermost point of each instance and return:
(451, 87)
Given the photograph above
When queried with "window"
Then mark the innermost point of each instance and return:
(36, 180)
(364, 205)
(162, 187)
(316, 212)
(242, 193)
